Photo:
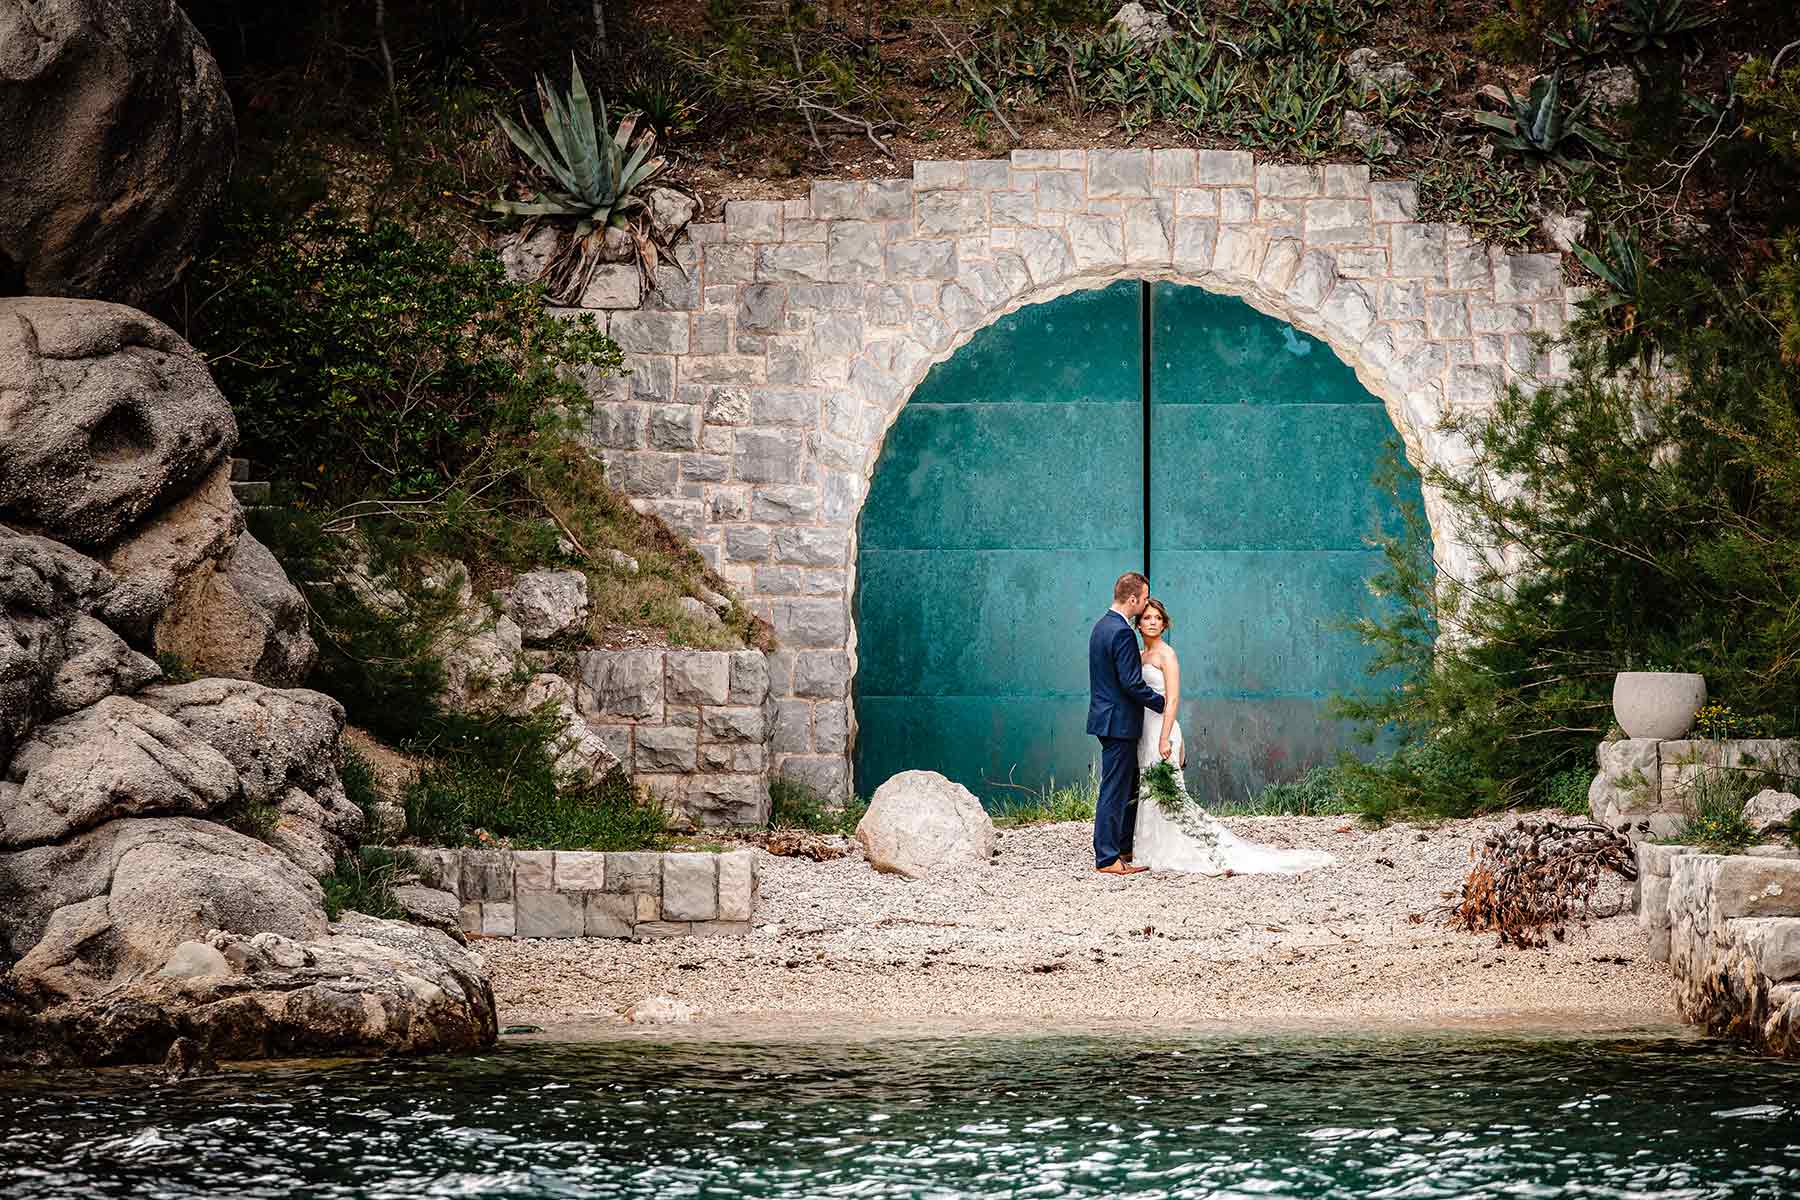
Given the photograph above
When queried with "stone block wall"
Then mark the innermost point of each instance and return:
(1646, 780)
(767, 370)
(591, 893)
(1733, 940)
(692, 726)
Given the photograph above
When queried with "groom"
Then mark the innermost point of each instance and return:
(1117, 698)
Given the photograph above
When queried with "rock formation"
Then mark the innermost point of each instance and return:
(133, 912)
(118, 136)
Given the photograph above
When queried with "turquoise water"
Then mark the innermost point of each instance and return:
(1378, 1116)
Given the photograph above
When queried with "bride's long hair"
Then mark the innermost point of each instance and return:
(1162, 612)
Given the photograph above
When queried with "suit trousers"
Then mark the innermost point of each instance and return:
(1115, 817)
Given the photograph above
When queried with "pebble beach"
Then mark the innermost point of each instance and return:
(1038, 940)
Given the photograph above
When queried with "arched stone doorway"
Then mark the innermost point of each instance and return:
(783, 342)
(1140, 425)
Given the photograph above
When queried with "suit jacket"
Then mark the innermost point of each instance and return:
(1117, 693)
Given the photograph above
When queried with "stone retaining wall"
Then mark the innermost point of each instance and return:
(591, 893)
(772, 356)
(1729, 926)
(692, 726)
(1643, 780)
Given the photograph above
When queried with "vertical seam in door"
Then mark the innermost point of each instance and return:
(1144, 386)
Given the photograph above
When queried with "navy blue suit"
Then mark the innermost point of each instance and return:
(1117, 698)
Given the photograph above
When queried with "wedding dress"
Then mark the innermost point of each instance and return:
(1196, 841)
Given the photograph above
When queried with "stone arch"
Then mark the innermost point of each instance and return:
(772, 358)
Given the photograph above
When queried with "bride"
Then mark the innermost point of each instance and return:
(1194, 841)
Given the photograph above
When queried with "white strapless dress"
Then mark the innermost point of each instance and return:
(1196, 842)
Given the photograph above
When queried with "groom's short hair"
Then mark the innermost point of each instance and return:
(1129, 585)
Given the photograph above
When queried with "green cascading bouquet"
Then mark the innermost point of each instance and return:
(1168, 794)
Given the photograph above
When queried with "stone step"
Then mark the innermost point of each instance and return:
(250, 493)
(240, 469)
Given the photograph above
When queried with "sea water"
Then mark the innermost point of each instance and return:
(1654, 1114)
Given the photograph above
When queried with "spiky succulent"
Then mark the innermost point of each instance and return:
(1649, 23)
(597, 173)
(1540, 128)
(1585, 38)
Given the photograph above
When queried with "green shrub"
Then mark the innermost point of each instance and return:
(363, 882)
(1568, 790)
(793, 805)
(358, 776)
(1321, 791)
(364, 361)
(495, 775)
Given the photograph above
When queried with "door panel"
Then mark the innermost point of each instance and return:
(1262, 447)
(1008, 497)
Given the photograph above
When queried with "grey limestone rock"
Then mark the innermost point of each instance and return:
(284, 746)
(547, 605)
(1140, 26)
(432, 908)
(118, 758)
(159, 557)
(104, 415)
(119, 134)
(110, 906)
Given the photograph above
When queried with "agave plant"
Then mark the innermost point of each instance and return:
(1539, 127)
(1653, 22)
(1584, 39)
(597, 173)
(1625, 272)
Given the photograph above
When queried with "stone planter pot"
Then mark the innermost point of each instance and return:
(1657, 704)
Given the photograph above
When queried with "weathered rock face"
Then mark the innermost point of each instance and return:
(240, 617)
(118, 136)
(919, 822)
(365, 987)
(284, 747)
(109, 906)
(1770, 807)
(45, 588)
(116, 759)
(104, 414)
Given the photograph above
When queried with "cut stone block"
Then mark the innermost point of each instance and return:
(610, 916)
(497, 918)
(549, 914)
(737, 885)
(635, 871)
(534, 870)
(690, 887)
(580, 871)
(486, 875)
(661, 929)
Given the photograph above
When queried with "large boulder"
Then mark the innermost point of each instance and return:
(240, 617)
(367, 986)
(284, 746)
(108, 907)
(119, 134)
(104, 415)
(116, 759)
(919, 823)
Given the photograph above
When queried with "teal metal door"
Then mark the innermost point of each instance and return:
(1262, 444)
(1137, 427)
(1007, 496)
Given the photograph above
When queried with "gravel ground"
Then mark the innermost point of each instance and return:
(1039, 940)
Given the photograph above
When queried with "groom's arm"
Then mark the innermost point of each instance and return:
(1131, 672)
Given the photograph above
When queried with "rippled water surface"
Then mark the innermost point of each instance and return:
(1415, 1115)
